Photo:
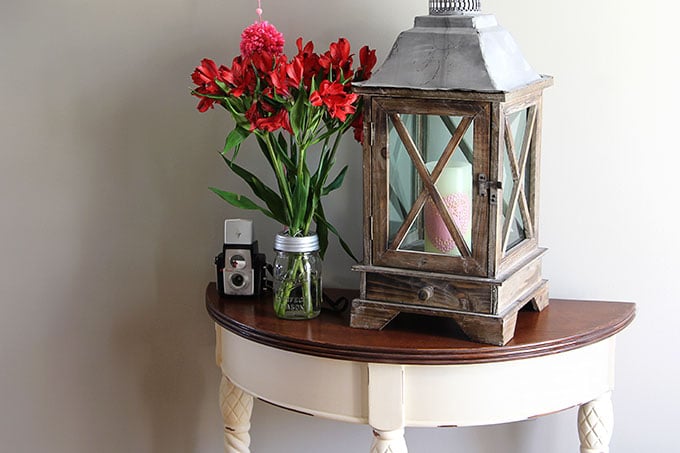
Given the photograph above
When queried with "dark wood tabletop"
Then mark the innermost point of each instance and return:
(414, 339)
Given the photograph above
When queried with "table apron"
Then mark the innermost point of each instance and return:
(389, 395)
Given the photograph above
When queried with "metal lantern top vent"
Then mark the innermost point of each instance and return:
(444, 7)
(455, 47)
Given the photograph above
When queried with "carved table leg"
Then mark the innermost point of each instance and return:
(595, 424)
(237, 406)
(388, 441)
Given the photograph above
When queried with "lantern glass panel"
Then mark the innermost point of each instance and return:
(417, 147)
(516, 170)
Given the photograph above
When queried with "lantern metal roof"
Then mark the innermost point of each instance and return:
(455, 47)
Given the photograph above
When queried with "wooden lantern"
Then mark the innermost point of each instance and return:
(451, 173)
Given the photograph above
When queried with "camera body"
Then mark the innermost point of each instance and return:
(240, 268)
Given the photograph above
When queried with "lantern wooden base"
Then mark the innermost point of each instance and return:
(485, 309)
(482, 328)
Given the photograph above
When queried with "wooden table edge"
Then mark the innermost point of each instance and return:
(431, 357)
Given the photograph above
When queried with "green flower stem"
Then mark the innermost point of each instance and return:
(296, 272)
(329, 157)
(280, 177)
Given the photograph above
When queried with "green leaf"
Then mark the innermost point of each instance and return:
(322, 232)
(209, 96)
(320, 219)
(297, 115)
(235, 138)
(241, 201)
(237, 107)
(337, 182)
(264, 149)
(261, 190)
(329, 132)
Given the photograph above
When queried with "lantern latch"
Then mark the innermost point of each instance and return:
(483, 185)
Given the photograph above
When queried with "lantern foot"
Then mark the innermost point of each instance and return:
(372, 316)
(540, 298)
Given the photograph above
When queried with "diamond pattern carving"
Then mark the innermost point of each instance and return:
(388, 442)
(595, 424)
(237, 407)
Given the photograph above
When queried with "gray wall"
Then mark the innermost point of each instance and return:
(107, 228)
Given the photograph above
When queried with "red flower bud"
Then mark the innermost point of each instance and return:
(367, 59)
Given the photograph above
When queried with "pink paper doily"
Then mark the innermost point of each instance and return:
(460, 209)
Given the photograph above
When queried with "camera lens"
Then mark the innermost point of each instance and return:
(237, 280)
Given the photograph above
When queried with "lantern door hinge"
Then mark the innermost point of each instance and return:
(370, 227)
(488, 188)
(371, 133)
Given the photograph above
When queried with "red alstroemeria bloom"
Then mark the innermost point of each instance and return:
(338, 102)
(240, 76)
(310, 61)
(204, 77)
(367, 60)
(275, 122)
(295, 71)
(283, 77)
(264, 117)
(338, 59)
(264, 63)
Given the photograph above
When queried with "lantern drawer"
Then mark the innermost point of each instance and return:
(429, 292)
(492, 296)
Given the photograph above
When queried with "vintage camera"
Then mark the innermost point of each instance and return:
(240, 268)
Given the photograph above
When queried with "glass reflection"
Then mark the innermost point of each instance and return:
(415, 221)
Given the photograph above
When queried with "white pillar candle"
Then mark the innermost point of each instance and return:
(455, 187)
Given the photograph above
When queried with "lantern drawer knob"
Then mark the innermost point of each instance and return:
(425, 293)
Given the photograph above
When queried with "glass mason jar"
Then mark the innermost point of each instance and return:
(297, 277)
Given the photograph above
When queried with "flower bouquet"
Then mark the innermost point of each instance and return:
(295, 107)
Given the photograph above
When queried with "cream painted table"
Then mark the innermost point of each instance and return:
(417, 372)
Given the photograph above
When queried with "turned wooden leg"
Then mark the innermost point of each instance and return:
(237, 406)
(595, 424)
(389, 441)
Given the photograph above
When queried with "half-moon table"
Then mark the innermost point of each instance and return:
(419, 371)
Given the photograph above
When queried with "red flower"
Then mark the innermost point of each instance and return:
(241, 77)
(280, 78)
(275, 122)
(358, 125)
(264, 117)
(367, 59)
(338, 60)
(337, 101)
(261, 37)
(252, 115)
(204, 77)
(309, 60)
(263, 63)
(295, 72)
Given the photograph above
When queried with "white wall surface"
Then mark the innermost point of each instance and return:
(107, 228)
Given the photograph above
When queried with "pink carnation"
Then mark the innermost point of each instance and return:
(261, 36)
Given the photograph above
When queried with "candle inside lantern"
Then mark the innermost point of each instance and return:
(455, 187)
